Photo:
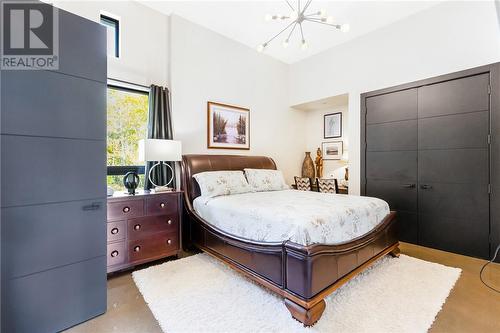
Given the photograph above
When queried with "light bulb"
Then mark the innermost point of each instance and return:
(304, 45)
(330, 20)
(345, 27)
(294, 15)
(278, 17)
(268, 17)
(285, 43)
(261, 47)
(322, 12)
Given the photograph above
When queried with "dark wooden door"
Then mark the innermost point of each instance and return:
(391, 155)
(453, 165)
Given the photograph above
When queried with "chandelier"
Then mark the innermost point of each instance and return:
(298, 17)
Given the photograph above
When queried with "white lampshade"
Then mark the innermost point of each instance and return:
(160, 150)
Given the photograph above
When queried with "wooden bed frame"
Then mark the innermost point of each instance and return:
(303, 275)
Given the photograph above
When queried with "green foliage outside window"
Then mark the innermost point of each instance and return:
(127, 119)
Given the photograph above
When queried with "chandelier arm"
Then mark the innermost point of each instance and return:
(320, 22)
(298, 7)
(279, 33)
(289, 5)
(307, 5)
(291, 31)
(301, 32)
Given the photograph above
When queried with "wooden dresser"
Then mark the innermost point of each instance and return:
(142, 228)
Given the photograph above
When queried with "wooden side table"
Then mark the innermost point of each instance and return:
(142, 228)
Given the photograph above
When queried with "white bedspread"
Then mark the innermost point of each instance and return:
(299, 216)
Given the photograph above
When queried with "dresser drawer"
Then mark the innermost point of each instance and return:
(155, 246)
(148, 226)
(161, 204)
(125, 209)
(117, 253)
(117, 230)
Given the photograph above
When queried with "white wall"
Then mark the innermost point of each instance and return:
(144, 39)
(206, 66)
(199, 65)
(315, 137)
(446, 38)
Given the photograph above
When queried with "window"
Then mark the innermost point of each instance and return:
(127, 119)
(113, 35)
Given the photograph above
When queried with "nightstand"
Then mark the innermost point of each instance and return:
(142, 228)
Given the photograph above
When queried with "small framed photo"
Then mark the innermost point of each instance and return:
(228, 127)
(332, 150)
(333, 125)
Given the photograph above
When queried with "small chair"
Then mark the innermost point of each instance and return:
(327, 185)
(303, 183)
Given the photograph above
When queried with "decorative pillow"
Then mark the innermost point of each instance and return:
(216, 183)
(266, 180)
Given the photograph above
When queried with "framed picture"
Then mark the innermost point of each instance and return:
(228, 127)
(332, 125)
(332, 150)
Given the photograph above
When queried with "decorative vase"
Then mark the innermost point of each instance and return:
(308, 166)
(131, 181)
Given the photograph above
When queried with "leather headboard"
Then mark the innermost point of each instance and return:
(193, 164)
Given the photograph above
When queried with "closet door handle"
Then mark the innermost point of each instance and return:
(425, 187)
(409, 185)
(93, 206)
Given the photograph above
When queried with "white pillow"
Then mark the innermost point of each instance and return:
(216, 183)
(266, 180)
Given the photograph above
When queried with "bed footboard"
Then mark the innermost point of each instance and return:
(311, 269)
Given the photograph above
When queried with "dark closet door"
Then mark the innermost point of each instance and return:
(53, 181)
(453, 165)
(391, 155)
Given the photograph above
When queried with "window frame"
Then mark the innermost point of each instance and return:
(111, 21)
(120, 170)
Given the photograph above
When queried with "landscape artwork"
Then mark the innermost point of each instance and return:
(228, 126)
(333, 150)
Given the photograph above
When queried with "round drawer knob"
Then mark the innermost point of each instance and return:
(137, 227)
(169, 241)
(126, 209)
(162, 205)
(114, 253)
(169, 222)
(114, 231)
(137, 248)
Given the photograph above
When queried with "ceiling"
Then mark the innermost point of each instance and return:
(325, 103)
(243, 21)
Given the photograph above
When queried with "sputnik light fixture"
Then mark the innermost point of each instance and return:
(298, 16)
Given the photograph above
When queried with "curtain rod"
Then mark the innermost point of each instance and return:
(127, 82)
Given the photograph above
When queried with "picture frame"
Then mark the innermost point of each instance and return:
(332, 125)
(332, 150)
(228, 126)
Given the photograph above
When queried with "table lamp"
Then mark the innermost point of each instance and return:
(160, 151)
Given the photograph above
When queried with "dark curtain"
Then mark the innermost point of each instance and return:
(159, 127)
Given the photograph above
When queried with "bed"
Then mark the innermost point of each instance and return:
(278, 243)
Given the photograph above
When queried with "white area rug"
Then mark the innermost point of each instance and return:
(200, 294)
